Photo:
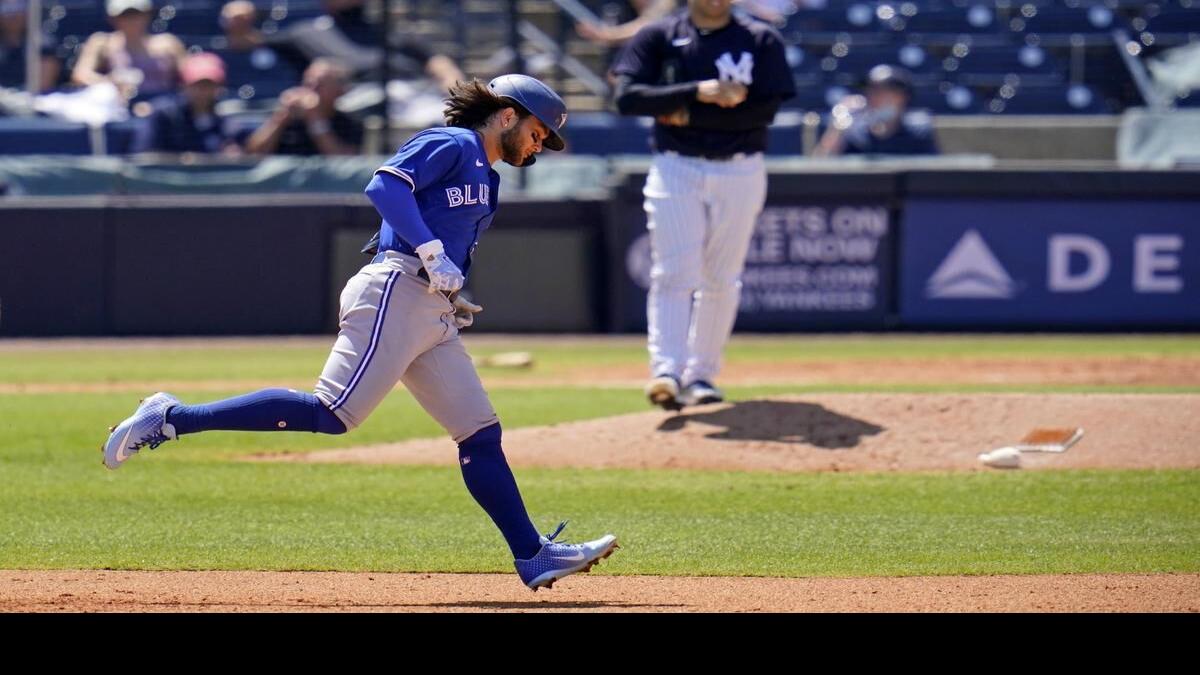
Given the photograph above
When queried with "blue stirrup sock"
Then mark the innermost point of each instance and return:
(265, 410)
(491, 483)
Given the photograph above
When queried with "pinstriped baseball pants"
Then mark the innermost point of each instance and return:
(701, 215)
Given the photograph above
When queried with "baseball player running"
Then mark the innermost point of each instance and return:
(713, 80)
(401, 315)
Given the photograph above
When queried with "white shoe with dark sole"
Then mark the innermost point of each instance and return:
(701, 392)
(663, 391)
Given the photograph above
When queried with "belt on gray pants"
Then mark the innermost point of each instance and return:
(382, 256)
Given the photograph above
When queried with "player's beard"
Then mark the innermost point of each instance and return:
(510, 150)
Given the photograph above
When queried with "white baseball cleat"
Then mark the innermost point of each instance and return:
(555, 561)
(663, 391)
(146, 426)
(701, 392)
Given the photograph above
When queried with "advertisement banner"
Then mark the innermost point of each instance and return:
(1030, 264)
(810, 265)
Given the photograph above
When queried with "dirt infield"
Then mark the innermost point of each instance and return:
(1042, 370)
(1067, 371)
(842, 432)
(110, 591)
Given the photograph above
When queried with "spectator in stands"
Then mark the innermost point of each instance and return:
(631, 16)
(141, 65)
(350, 17)
(878, 122)
(305, 122)
(254, 69)
(13, 21)
(238, 19)
(346, 34)
(188, 121)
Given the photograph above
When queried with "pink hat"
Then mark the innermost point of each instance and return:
(202, 66)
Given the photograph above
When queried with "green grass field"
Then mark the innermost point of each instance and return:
(190, 506)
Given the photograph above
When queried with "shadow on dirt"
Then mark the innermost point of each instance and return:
(780, 421)
(533, 605)
(360, 607)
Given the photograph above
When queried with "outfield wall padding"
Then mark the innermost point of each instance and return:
(882, 248)
(192, 265)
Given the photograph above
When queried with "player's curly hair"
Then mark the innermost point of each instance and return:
(471, 104)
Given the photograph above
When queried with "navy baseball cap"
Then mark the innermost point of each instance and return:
(885, 75)
(539, 99)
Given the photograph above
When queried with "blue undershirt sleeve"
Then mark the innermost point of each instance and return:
(394, 200)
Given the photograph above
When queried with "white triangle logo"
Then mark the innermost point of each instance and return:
(970, 270)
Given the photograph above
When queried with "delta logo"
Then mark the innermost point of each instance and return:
(1075, 264)
(971, 271)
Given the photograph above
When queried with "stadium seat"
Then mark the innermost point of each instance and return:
(118, 136)
(190, 23)
(1191, 100)
(607, 134)
(257, 75)
(1027, 59)
(1060, 20)
(808, 97)
(785, 137)
(1076, 99)
(855, 17)
(284, 12)
(75, 18)
(1175, 20)
(859, 60)
(43, 136)
(978, 18)
(947, 99)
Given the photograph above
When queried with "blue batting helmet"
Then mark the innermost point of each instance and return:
(539, 99)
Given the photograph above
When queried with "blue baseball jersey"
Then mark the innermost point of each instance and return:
(455, 188)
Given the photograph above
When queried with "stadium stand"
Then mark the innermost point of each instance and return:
(967, 57)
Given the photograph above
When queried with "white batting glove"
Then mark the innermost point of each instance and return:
(464, 312)
(444, 275)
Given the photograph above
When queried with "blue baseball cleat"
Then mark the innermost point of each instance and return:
(147, 426)
(555, 561)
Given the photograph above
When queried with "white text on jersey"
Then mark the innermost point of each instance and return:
(462, 196)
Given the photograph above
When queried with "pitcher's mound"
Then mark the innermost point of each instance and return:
(841, 432)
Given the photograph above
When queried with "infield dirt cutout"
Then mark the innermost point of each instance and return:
(840, 432)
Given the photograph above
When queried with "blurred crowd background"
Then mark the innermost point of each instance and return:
(259, 77)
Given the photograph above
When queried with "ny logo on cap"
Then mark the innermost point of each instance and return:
(562, 119)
